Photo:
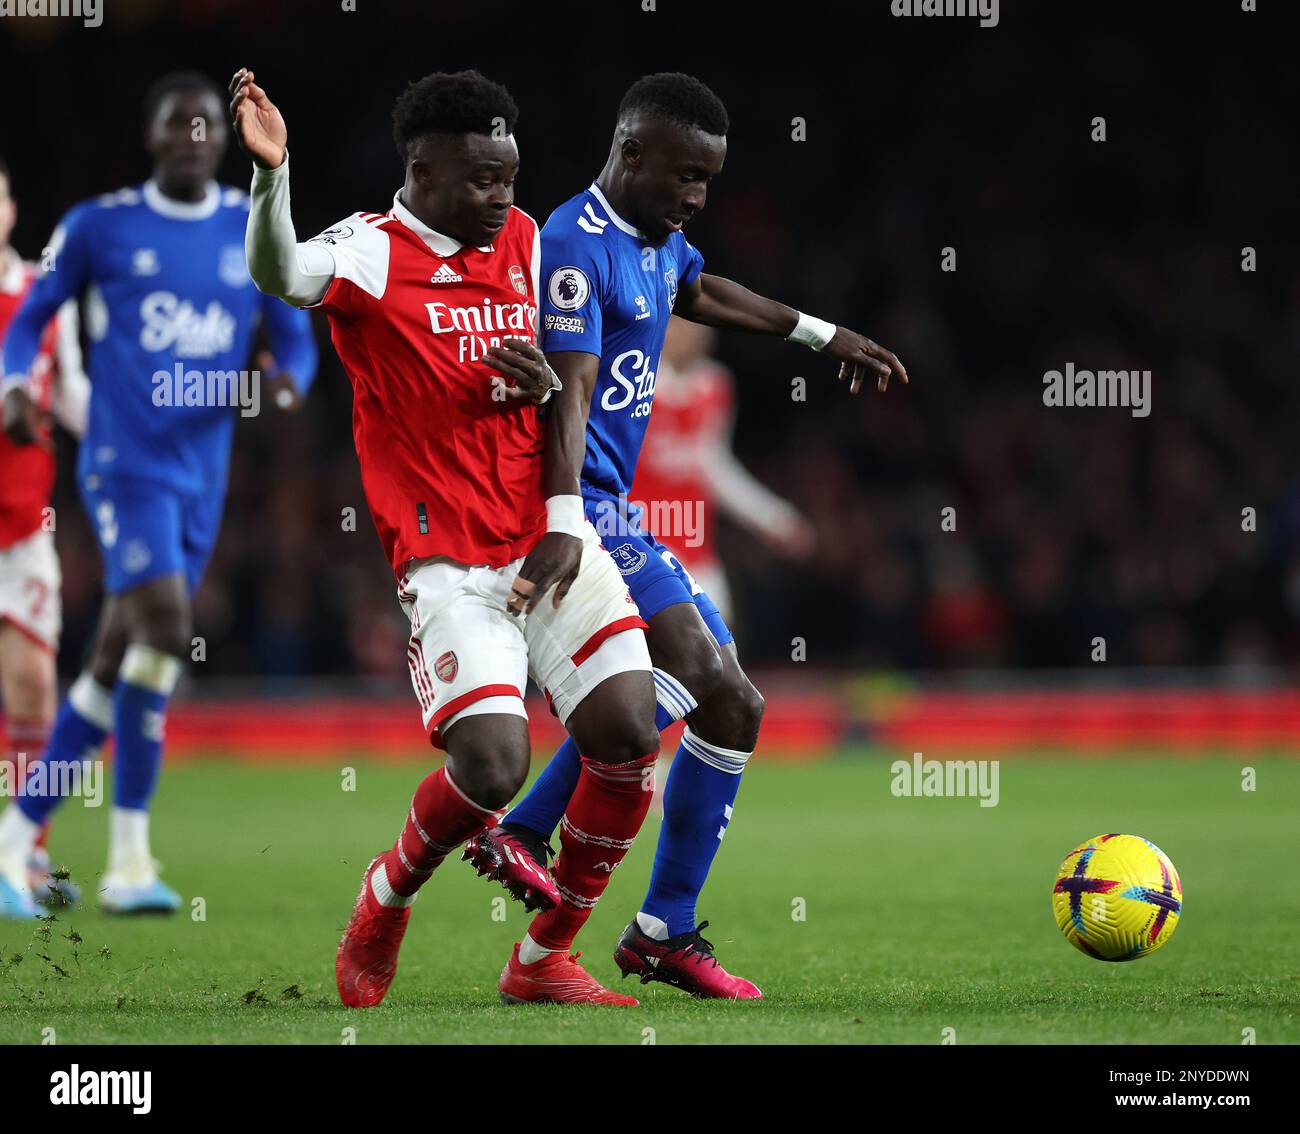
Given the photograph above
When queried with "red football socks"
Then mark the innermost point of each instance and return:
(28, 737)
(441, 818)
(600, 824)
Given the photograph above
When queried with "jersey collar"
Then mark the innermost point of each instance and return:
(442, 244)
(619, 222)
(166, 206)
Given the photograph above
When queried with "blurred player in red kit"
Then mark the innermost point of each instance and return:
(474, 494)
(687, 468)
(29, 565)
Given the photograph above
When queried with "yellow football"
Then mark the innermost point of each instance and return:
(1117, 897)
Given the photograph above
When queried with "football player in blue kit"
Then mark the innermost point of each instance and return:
(615, 266)
(170, 314)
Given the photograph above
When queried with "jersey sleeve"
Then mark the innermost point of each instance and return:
(292, 342)
(692, 264)
(359, 248)
(298, 273)
(575, 278)
(66, 271)
(70, 402)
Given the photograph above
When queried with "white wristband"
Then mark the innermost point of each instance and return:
(811, 332)
(556, 384)
(564, 514)
(13, 382)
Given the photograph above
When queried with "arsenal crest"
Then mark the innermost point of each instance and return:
(518, 278)
(446, 667)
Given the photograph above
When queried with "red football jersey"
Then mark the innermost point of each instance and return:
(448, 469)
(692, 414)
(26, 471)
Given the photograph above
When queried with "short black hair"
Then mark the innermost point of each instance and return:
(179, 81)
(673, 97)
(462, 102)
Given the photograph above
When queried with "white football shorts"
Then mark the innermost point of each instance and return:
(29, 588)
(468, 655)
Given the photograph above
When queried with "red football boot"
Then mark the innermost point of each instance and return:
(685, 961)
(514, 856)
(556, 979)
(367, 958)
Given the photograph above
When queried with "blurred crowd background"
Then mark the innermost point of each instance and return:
(921, 135)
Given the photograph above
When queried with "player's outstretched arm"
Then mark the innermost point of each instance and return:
(718, 302)
(558, 554)
(747, 501)
(299, 274)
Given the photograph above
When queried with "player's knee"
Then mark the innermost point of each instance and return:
(167, 627)
(490, 776)
(625, 737)
(30, 688)
(749, 711)
(698, 667)
(736, 714)
(105, 663)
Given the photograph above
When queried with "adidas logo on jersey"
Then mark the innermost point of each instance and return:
(446, 275)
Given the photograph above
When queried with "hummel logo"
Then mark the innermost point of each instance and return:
(144, 262)
(446, 275)
(591, 222)
(607, 867)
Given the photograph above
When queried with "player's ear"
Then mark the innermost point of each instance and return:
(421, 171)
(633, 151)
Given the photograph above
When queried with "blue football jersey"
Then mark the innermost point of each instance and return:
(608, 291)
(170, 314)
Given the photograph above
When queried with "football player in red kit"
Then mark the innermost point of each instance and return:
(687, 471)
(29, 565)
(432, 307)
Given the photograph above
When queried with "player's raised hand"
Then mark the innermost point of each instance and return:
(792, 536)
(22, 417)
(526, 364)
(279, 384)
(859, 357)
(554, 562)
(258, 124)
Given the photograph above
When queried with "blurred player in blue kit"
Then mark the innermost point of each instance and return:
(170, 316)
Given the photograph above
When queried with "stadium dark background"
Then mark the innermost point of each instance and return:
(921, 134)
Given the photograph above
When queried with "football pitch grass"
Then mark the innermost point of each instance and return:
(866, 918)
